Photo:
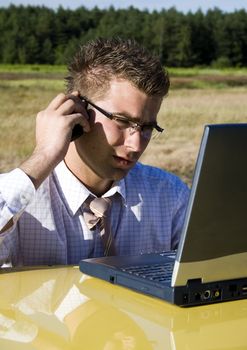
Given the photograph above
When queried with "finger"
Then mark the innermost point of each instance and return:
(78, 118)
(73, 93)
(75, 96)
(73, 104)
(57, 101)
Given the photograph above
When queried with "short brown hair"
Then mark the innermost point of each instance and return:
(99, 61)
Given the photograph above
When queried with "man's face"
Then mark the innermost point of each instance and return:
(107, 150)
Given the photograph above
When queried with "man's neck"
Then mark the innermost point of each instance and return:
(84, 174)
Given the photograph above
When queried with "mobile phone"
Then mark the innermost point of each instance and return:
(78, 129)
(76, 132)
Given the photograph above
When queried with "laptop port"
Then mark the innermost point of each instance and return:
(111, 279)
(197, 296)
(244, 290)
(185, 298)
(206, 294)
(233, 288)
(216, 294)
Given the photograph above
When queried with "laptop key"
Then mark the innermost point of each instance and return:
(157, 272)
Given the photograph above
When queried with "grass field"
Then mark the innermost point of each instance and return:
(197, 97)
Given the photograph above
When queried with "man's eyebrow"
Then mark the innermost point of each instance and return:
(127, 115)
(133, 119)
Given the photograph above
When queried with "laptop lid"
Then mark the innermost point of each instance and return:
(213, 245)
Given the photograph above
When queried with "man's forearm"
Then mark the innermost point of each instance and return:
(38, 167)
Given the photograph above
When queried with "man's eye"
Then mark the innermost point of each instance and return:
(122, 123)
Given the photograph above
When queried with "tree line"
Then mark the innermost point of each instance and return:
(34, 34)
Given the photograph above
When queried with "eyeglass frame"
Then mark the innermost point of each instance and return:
(114, 116)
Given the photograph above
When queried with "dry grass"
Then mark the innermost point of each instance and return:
(20, 101)
(183, 114)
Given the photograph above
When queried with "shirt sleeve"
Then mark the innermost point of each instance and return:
(16, 192)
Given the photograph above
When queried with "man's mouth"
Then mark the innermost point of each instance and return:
(124, 162)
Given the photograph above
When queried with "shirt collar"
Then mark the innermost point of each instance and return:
(75, 193)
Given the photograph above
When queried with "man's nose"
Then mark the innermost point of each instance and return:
(134, 140)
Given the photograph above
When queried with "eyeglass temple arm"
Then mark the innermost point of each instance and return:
(107, 114)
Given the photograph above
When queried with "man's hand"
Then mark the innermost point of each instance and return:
(54, 127)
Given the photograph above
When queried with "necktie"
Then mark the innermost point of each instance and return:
(96, 212)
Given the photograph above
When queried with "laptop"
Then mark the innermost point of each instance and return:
(210, 264)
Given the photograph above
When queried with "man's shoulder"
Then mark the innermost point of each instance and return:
(148, 174)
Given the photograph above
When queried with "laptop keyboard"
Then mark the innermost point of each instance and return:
(157, 272)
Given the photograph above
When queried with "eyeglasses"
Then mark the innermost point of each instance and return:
(147, 130)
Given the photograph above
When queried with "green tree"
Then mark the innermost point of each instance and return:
(34, 34)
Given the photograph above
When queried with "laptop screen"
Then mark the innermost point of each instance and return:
(215, 224)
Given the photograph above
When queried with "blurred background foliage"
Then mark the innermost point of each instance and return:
(40, 35)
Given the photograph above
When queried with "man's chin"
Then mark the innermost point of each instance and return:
(119, 174)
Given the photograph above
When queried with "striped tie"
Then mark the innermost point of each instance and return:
(97, 213)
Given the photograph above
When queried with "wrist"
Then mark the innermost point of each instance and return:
(39, 166)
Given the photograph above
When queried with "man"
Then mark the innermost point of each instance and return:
(114, 92)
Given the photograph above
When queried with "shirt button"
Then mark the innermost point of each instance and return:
(24, 200)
